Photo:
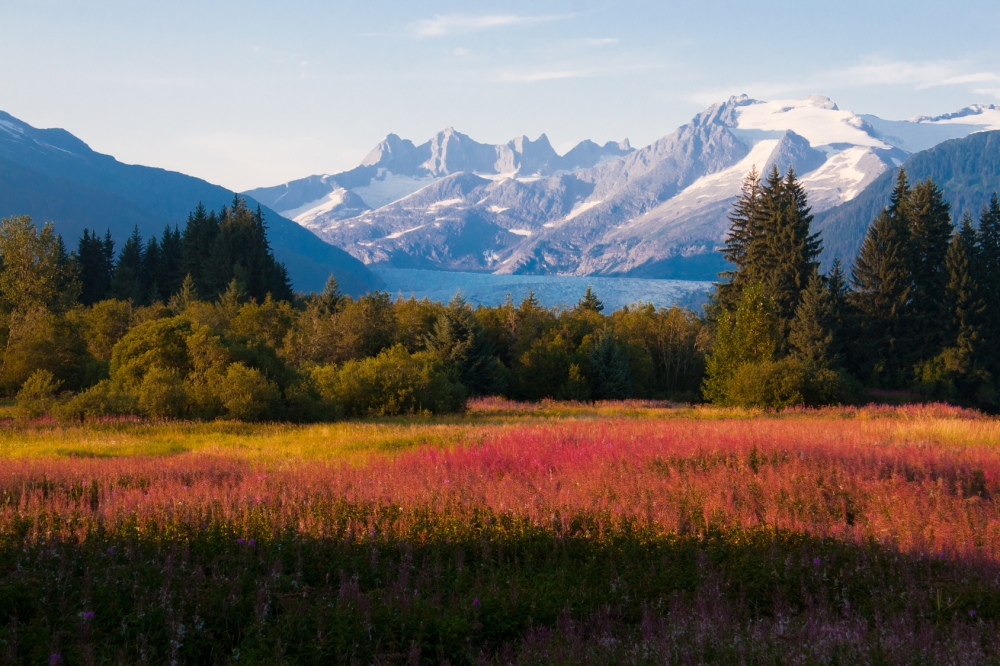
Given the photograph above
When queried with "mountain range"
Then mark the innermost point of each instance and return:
(52, 175)
(452, 203)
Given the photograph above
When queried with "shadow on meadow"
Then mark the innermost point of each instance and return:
(487, 589)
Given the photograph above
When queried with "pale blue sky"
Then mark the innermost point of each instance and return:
(251, 93)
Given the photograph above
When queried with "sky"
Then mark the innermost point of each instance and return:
(248, 94)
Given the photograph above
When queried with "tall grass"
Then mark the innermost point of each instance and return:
(535, 534)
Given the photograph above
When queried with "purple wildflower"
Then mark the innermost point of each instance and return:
(475, 602)
(55, 658)
(972, 613)
(241, 541)
(817, 561)
(252, 542)
(87, 615)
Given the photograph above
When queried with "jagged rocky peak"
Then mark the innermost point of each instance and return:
(794, 151)
(387, 149)
(971, 110)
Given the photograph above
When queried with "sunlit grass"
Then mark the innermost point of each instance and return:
(635, 532)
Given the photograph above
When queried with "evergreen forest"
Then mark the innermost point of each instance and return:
(202, 323)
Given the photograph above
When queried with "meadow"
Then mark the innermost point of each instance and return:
(620, 532)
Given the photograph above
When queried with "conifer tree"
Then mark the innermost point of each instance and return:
(782, 252)
(989, 259)
(169, 275)
(811, 335)
(329, 301)
(963, 294)
(610, 375)
(150, 270)
(930, 235)
(881, 296)
(198, 247)
(243, 252)
(128, 269)
(843, 321)
(185, 296)
(590, 302)
(459, 341)
(742, 220)
(957, 371)
(96, 259)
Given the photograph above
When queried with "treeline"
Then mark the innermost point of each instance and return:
(214, 349)
(202, 323)
(214, 249)
(917, 311)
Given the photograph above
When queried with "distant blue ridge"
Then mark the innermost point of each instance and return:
(551, 290)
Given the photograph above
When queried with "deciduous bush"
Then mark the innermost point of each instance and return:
(161, 393)
(161, 343)
(38, 394)
(394, 382)
(247, 395)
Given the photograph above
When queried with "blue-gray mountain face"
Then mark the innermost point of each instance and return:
(53, 176)
(967, 170)
(455, 204)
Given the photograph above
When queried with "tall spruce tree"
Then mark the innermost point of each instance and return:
(169, 275)
(198, 248)
(590, 301)
(930, 235)
(989, 233)
(126, 284)
(242, 252)
(96, 258)
(151, 261)
(957, 371)
(811, 334)
(783, 251)
(742, 227)
(843, 321)
(881, 297)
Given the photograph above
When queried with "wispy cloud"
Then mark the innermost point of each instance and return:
(917, 75)
(920, 75)
(601, 42)
(460, 24)
(513, 76)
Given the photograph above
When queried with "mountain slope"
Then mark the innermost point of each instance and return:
(452, 203)
(54, 176)
(396, 168)
(967, 170)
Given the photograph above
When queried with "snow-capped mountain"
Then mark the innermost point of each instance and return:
(396, 168)
(660, 211)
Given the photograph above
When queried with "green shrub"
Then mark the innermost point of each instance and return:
(776, 384)
(394, 382)
(158, 343)
(247, 394)
(103, 399)
(37, 394)
(162, 393)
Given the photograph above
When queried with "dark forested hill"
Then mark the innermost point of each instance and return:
(52, 175)
(968, 170)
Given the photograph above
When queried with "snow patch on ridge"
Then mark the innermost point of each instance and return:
(815, 118)
(309, 211)
(387, 188)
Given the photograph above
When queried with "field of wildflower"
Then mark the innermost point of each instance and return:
(550, 533)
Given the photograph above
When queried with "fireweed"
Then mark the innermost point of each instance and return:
(690, 535)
